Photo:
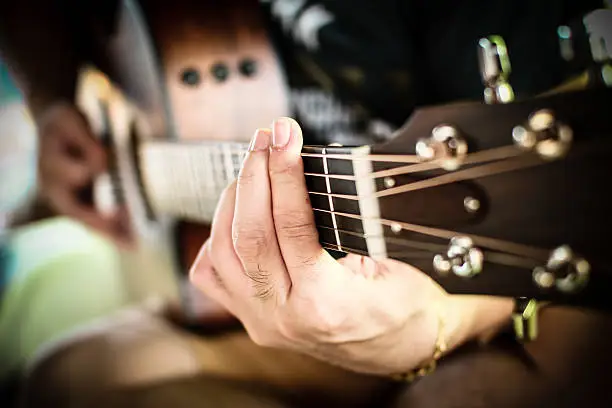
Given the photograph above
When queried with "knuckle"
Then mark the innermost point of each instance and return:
(245, 178)
(282, 170)
(261, 282)
(250, 241)
(306, 261)
(294, 226)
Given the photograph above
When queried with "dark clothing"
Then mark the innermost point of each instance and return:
(386, 57)
(357, 65)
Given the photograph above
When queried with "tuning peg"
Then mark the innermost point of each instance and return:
(495, 69)
(587, 45)
(462, 258)
(565, 270)
(543, 133)
(445, 144)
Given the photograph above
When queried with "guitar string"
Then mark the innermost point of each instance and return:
(513, 161)
(381, 158)
(489, 257)
(480, 171)
(241, 150)
(485, 242)
(486, 170)
(400, 241)
(431, 248)
(505, 152)
(467, 174)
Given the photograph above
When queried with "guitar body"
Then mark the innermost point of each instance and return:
(189, 71)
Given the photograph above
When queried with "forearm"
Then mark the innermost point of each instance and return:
(36, 43)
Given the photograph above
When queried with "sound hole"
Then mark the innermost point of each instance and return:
(191, 77)
(220, 71)
(247, 67)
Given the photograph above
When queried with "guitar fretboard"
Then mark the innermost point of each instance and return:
(186, 180)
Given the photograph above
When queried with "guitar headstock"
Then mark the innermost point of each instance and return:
(514, 200)
(502, 197)
(528, 215)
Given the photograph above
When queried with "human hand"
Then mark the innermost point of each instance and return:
(69, 161)
(264, 263)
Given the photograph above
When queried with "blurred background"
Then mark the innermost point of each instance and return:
(58, 277)
(54, 274)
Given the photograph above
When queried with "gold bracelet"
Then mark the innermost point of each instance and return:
(427, 368)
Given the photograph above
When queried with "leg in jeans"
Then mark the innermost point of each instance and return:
(137, 358)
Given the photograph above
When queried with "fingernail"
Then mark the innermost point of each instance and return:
(260, 140)
(281, 133)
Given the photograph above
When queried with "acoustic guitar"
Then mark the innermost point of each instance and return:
(502, 197)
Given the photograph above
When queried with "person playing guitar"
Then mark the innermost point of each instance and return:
(356, 69)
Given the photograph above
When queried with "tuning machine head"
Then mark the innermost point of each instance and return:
(461, 257)
(445, 144)
(495, 70)
(565, 270)
(550, 138)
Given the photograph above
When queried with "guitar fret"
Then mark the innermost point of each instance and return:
(208, 171)
(186, 180)
(217, 169)
(228, 167)
(331, 227)
(331, 202)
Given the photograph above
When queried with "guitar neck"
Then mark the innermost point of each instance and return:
(489, 223)
(186, 180)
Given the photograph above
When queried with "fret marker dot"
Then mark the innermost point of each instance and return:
(191, 77)
(396, 228)
(389, 182)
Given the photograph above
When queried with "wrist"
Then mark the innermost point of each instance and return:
(430, 342)
(453, 321)
(476, 317)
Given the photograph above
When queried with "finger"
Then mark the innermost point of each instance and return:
(57, 167)
(114, 227)
(253, 227)
(206, 278)
(65, 123)
(224, 259)
(293, 217)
